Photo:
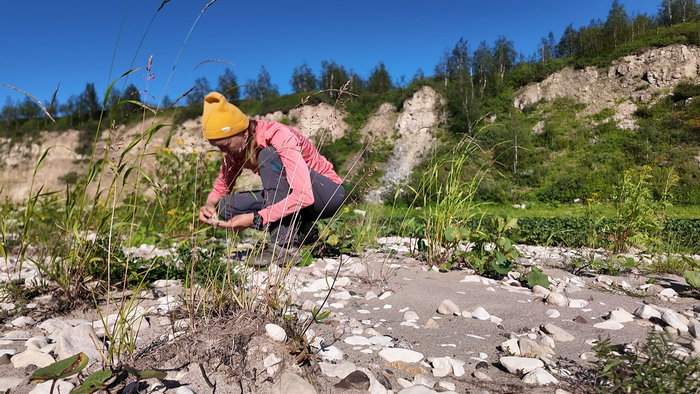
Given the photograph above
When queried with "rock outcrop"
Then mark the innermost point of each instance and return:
(414, 127)
(636, 78)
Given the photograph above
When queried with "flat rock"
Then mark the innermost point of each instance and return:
(331, 353)
(511, 347)
(441, 366)
(532, 348)
(417, 390)
(448, 308)
(621, 315)
(577, 303)
(539, 376)
(78, 339)
(405, 355)
(410, 315)
(540, 291)
(672, 319)
(516, 365)
(552, 313)
(45, 388)
(276, 332)
(339, 370)
(558, 334)
(482, 376)
(646, 312)
(10, 383)
(357, 341)
(457, 366)
(481, 314)
(557, 299)
(609, 325)
(31, 357)
(291, 383)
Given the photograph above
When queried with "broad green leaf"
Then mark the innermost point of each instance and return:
(145, 374)
(451, 234)
(537, 278)
(512, 223)
(61, 369)
(693, 278)
(95, 382)
(502, 267)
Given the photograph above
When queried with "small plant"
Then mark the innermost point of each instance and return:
(655, 368)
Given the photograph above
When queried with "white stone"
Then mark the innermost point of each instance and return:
(621, 315)
(410, 315)
(577, 303)
(423, 380)
(448, 308)
(276, 332)
(397, 354)
(60, 387)
(31, 357)
(646, 312)
(471, 279)
(380, 340)
(331, 353)
(417, 390)
(457, 366)
(511, 347)
(357, 341)
(552, 313)
(339, 370)
(10, 383)
(22, 321)
(547, 341)
(558, 334)
(673, 320)
(539, 376)
(480, 313)
(557, 299)
(609, 325)
(668, 292)
(520, 364)
(441, 366)
(271, 362)
(540, 291)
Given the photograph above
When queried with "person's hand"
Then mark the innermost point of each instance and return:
(208, 215)
(238, 222)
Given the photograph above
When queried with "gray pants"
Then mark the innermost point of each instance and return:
(328, 198)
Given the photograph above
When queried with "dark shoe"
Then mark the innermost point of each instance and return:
(308, 234)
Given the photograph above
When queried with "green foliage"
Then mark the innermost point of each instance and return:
(60, 369)
(693, 278)
(95, 382)
(537, 278)
(655, 368)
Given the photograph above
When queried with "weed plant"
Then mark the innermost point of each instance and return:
(654, 368)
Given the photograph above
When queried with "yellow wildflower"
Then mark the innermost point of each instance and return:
(179, 143)
(195, 153)
(171, 212)
(346, 210)
(209, 153)
(590, 200)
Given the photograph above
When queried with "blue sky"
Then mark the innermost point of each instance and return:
(72, 42)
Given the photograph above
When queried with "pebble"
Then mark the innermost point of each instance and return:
(557, 299)
(423, 380)
(646, 312)
(672, 319)
(448, 308)
(431, 324)
(45, 388)
(552, 313)
(621, 315)
(331, 353)
(558, 334)
(480, 313)
(457, 366)
(516, 365)
(276, 332)
(471, 279)
(357, 341)
(292, 383)
(10, 383)
(539, 376)
(482, 376)
(609, 325)
(339, 370)
(540, 291)
(441, 366)
(356, 380)
(405, 355)
(22, 321)
(31, 357)
(511, 347)
(577, 303)
(410, 315)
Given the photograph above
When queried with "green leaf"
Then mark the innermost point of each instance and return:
(445, 266)
(537, 278)
(451, 234)
(145, 374)
(306, 258)
(95, 382)
(61, 369)
(693, 278)
(502, 267)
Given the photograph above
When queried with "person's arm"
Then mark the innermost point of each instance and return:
(222, 186)
(288, 147)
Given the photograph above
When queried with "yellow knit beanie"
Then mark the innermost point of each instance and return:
(221, 119)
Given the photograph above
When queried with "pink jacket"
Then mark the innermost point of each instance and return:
(298, 155)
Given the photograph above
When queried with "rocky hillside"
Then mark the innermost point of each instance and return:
(634, 80)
